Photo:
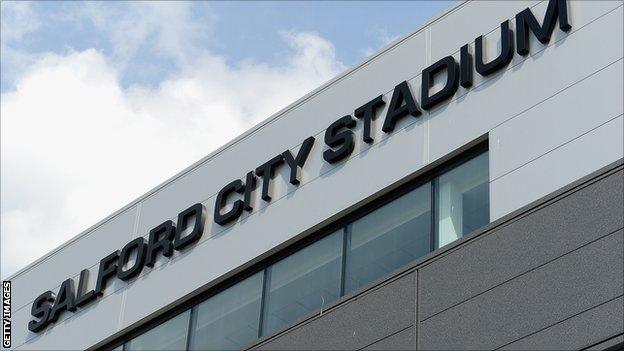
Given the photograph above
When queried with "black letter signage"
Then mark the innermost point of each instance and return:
(335, 136)
(236, 186)
(367, 112)
(525, 21)
(236, 197)
(447, 64)
(296, 163)
(502, 59)
(401, 105)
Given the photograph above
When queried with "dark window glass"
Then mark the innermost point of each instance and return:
(476, 208)
(230, 319)
(389, 237)
(170, 335)
(303, 282)
(463, 200)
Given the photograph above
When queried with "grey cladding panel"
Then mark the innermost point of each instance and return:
(403, 340)
(356, 324)
(537, 282)
(581, 331)
(561, 289)
(523, 244)
(615, 343)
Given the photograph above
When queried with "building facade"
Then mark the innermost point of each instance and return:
(463, 188)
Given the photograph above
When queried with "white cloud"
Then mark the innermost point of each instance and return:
(17, 20)
(77, 146)
(166, 29)
(383, 37)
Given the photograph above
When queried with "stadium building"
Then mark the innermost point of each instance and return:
(460, 189)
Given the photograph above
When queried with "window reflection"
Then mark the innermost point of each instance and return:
(463, 200)
(303, 282)
(389, 237)
(171, 335)
(230, 319)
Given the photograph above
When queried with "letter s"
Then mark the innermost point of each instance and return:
(334, 138)
(41, 309)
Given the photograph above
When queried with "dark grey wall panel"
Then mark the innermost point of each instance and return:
(523, 244)
(358, 323)
(616, 343)
(581, 331)
(403, 340)
(549, 278)
(560, 289)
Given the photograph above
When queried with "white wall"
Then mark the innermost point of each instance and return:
(552, 118)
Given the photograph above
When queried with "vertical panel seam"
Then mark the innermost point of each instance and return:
(425, 150)
(122, 306)
(417, 304)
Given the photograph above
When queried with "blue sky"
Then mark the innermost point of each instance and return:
(239, 31)
(88, 87)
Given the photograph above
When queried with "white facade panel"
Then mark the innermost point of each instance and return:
(506, 94)
(465, 24)
(70, 259)
(81, 329)
(547, 126)
(558, 168)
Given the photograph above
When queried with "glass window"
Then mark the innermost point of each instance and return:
(375, 244)
(303, 282)
(170, 335)
(389, 237)
(230, 319)
(463, 200)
